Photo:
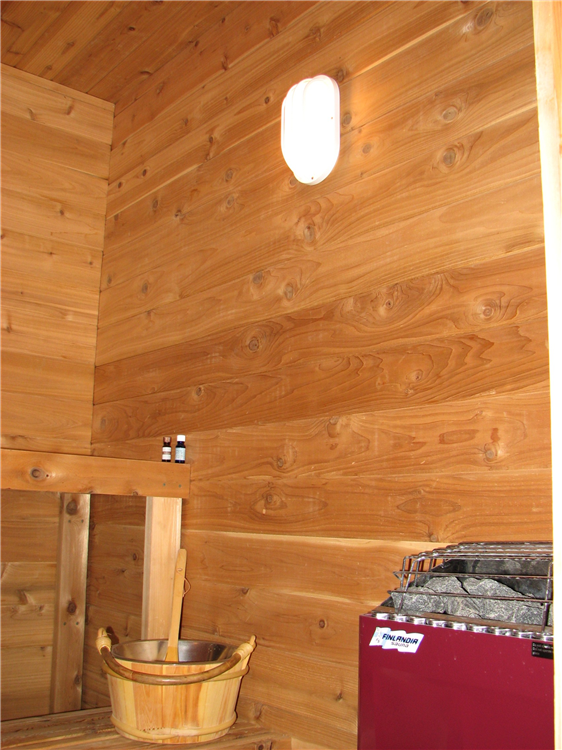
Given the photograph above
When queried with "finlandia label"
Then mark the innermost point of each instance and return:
(397, 639)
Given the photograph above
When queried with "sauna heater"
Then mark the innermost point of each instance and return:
(461, 654)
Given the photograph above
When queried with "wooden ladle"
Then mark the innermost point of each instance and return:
(177, 596)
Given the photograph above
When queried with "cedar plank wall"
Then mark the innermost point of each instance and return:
(360, 366)
(115, 576)
(55, 166)
(28, 600)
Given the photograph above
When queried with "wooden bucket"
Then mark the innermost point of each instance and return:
(188, 701)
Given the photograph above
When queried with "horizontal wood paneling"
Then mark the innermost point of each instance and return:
(28, 98)
(487, 434)
(429, 507)
(35, 516)
(360, 569)
(53, 144)
(55, 157)
(115, 583)
(361, 366)
(22, 696)
(332, 692)
(29, 529)
(27, 582)
(506, 358)
(468, 299)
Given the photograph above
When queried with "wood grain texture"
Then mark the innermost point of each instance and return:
(286, 287)
(26, 97)
(94, 729)
(21, 696)
(227, 32)
(273, 68)
(26, 470)
(52, 144)
(77, 24)
(431, 508)
(115, 583)
(25, 582)
(55, 156)
(466, 299)
(358, 569)
(390, 138)
(271, 681)
(70, 603)
(487, 434)
(35, 515)
(480, 162)
(162, 542)
(505, 359)
(29, 529)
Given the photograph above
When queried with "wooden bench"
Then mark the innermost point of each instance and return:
(92, 730)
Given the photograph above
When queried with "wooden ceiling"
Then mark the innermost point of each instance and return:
(105, 49)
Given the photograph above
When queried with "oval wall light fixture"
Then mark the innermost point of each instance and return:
(310, 128)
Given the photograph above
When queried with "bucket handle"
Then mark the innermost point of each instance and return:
(103, 644)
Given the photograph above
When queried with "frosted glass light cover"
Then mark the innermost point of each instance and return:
(310, 128)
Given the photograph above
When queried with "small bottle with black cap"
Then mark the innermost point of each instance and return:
(179, 456)
(167, 450)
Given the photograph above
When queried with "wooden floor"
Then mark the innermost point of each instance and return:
(93, 730)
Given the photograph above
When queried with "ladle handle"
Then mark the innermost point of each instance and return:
(177, 597)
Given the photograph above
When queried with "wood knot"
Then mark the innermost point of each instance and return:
(289, 291)
(309, 233)
(257, 278)
(253, 344)
(154, 204)
(38, 473)
(71, 607)
(228, 175)
(322, 624)
(450, 114)
(484, 18)
(346, 119)
(71, 508)
(144, 287)
(367, 148)
(449, 157)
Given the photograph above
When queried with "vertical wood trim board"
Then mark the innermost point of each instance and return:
(547, 18)
(162, 542)
(70, 603)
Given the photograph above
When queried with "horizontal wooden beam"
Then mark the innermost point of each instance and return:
(62, 472)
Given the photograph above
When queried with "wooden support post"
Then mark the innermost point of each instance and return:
(162, 541)
(70, 603)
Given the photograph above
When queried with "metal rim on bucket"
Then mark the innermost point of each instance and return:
(116, 669)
